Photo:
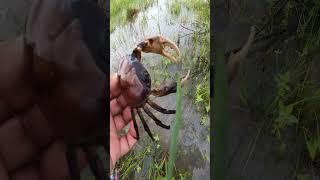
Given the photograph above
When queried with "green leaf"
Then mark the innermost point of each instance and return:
(288, 110)
(222, 120)
(208, 107)
(138, 169)
(303, 177)
(312, 146)
(175, 132)
(156, 138)
(199, 99)
(291, 119)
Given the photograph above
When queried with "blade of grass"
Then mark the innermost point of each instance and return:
(221, 122)
(175, 132)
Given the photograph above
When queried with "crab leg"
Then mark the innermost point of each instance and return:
(165, 90)
(171, 88)
(156, 120)
(95, 162)
(145, 125)
(135, 124)
(159, 108)
(236, 59)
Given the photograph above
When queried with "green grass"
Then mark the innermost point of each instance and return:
(123, 11)
(150, 162)
(221, 125)
(201, 62)
(175, 7)
(175, 132)
(294, 103)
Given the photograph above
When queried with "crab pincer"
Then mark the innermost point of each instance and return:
(157, 44)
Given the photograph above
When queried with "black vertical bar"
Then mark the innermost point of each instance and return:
(107, 146)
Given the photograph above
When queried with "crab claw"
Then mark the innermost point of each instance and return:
(185, 78)
(157, 45)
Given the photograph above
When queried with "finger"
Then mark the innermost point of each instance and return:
(114, 86)
(122, 120)
(122, 101)
(15, 76)
(28, 173)
(15, 147)
(114, 142)
(37, 127)
(115, 107)
(53, 164)
(128, 141)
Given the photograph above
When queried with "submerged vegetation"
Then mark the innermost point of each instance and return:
(123, 11)
(201, 63)
(175, 7)
(201, 57)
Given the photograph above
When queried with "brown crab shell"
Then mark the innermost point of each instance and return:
(134, 80)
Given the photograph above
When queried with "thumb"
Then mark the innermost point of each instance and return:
(114, 86)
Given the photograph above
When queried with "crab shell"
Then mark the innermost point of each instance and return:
(135, 81)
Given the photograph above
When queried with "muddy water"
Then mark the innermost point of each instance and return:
(157, 19)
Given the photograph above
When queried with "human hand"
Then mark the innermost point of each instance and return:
(29, 149)
(120, 116)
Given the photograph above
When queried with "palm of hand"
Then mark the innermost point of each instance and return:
(120, 116)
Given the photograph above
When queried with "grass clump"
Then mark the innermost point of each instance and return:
(123, 11)
(149, 162)
(201, 59)
(175, 8)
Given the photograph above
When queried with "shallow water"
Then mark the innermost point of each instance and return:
(156, 20)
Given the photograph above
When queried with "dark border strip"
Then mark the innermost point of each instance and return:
(107, 36)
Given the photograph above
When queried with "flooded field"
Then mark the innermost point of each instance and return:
(274, 131)
(177, 22)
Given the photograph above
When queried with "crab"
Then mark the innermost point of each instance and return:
(135, 81)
